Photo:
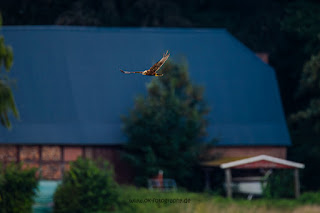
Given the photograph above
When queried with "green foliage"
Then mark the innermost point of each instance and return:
(280, 185)
(310, 198)
(165, 128)
(300, 24)
(302, 18)
(87, 187)
(310, 76)
(310, 86)
(17, 188)
(305, 124)
(7, 103)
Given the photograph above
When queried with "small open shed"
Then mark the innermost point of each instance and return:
(264, 162)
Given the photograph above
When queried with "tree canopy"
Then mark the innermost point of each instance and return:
(301, 21)
(7, 103)
(310, 84)
(165, 128)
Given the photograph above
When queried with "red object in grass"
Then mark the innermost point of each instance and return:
(159, 179)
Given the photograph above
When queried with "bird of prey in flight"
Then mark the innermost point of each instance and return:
(153, 70)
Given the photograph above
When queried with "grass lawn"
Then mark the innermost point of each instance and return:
(241, 206)
(143, 200)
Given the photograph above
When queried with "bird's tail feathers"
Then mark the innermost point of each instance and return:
(126, 72)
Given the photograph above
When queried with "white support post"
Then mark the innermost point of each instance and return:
(296, 183)
(228, 182)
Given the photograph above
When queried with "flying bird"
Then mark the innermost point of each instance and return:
(153, 70)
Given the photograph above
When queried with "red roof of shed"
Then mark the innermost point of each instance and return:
(262, 161)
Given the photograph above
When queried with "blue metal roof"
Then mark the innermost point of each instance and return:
(70, 90)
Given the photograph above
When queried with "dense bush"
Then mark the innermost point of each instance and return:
(86, 187)
(310, 198)
(280, 185)
(17, 188)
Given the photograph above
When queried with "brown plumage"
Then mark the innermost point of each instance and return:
(153, 70)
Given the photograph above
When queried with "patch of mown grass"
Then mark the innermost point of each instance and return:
(221, 204)
(310, 198)
(143, 200)
(265, 203)
(205, 203)
(210, 207)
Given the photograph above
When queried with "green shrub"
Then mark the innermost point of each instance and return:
(87, 187)
(310, 198)
(280, 185)
(17, 188)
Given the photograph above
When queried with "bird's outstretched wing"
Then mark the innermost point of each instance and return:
(159, 64)
(126, 72)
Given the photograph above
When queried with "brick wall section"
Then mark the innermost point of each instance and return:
(123, 171)
(66, 167)
(29, 153)
(8, 153)
(72, 153)
(30, 164)
(51, 153)
(54, 160)
(51, 163)
(51, 171)
(249, 151)
(89, 152)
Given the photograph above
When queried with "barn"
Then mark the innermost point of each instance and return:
(71, 95)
